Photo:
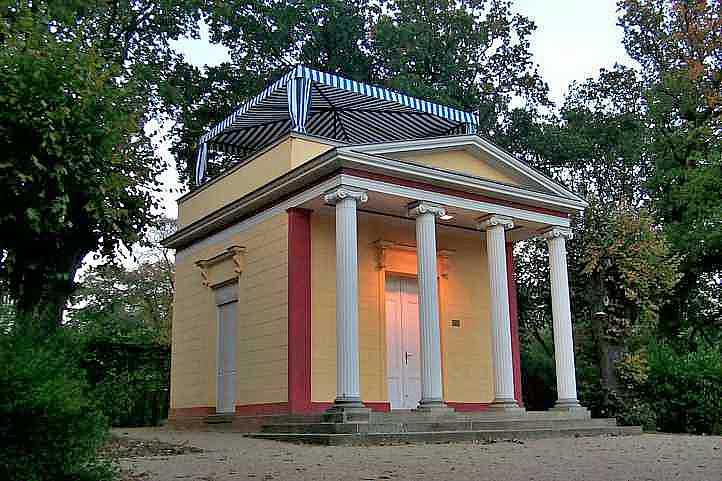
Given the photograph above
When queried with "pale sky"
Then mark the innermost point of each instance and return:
(573, 40)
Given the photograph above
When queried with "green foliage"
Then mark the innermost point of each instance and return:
(472, 54)
(538, 381)
(673, 391)
(77, 173)
(129, 304)
(623, 268)
(679, 45)
(120, 320)
(685, 390)
(49, 428)
(129, 381)
(601, 144)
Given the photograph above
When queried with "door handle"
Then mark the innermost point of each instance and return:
(406, 357)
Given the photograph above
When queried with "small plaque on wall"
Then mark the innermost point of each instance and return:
(455, 323)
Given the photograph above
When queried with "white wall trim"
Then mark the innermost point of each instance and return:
(410, 193)
(452, 201)
(466, 141)
(464, 180)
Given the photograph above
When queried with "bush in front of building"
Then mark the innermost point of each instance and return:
(129, 380)
(50, 429)
(678, 391)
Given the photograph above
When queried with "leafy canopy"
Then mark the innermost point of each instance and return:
(78, 173)
(679, 45)
(132, 304)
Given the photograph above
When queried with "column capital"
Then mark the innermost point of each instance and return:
(341, 193)
(415, 209)
(493, 220)
(555, 232)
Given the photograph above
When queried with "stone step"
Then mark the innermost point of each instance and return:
(219, 419)
(444, 436)
(413, 416)
(422, 426)
(284, 418)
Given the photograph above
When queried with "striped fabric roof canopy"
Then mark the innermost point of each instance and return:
(318, 103)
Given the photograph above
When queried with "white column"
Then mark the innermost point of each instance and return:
(562, 318)
(495, 225)
(348, 393)
(431, 388)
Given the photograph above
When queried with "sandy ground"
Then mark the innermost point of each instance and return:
(229, 456)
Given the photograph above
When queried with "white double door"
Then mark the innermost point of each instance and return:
(402, 342)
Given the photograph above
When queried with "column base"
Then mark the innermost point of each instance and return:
(571, 406)
(347, 411)
(433, 406)
(506, 406)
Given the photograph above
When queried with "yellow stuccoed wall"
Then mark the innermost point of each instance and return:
(466, 351)
(286, 155)
(262, 321)
(263, 308)
(460, 161)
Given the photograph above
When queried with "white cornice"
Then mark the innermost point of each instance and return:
(466, 182)
(467, 141)
(337, 158)
(451, 201)
(350, 181)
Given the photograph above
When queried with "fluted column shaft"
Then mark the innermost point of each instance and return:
(562, 318)
(499, 303)
(431, 387)
(348, 392)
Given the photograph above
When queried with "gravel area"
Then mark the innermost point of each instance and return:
(124, 446)
(230, 456)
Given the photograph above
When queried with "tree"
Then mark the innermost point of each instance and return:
(622, 269)
(78, 174)
(620, 263)
(473, 54)
(600, 149)
(132, 303)
(679, 45)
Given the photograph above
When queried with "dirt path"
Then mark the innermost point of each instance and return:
(229, 456)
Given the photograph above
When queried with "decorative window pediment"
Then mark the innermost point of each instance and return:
(222, 268)
(401, 258)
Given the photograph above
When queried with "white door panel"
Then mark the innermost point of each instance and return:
(394, 343)
(411, 342)
(226, 386)
(402, 338)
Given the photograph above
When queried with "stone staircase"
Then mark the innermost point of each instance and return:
(409, 426)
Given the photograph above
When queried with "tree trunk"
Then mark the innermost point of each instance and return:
(44, 294)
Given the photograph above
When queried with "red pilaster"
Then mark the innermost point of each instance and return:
(514, 319)
(299, 310)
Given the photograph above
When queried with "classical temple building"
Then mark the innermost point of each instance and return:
(359, 258)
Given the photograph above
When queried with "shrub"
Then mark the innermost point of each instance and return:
(538, 380)
(685, 389)
(49, 428)
(130, 381)
(670, 391)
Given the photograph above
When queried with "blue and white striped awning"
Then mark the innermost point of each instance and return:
(318, 103)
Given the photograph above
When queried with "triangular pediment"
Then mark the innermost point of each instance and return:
(469, 155)
(463, 161)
